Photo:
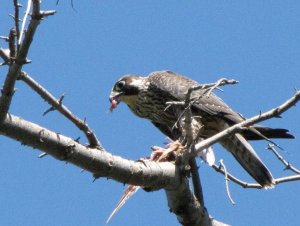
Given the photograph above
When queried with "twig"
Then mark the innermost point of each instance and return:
(254, 185)
(42, 155)
(24, 21)
(234, 179)
(57, 104)
(11, 43)
(208, 89)
(4, 55)
(226, 182)
(221, 82)
(289, 166)
(16, 18)
(287, 179)
(259, 118)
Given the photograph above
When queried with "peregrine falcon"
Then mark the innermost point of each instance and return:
(147, 97)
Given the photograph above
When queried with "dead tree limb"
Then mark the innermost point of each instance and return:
(21, 58)
(56, 104)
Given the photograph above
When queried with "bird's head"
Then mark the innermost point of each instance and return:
(126, 89)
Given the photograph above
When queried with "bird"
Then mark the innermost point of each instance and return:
(150, 96)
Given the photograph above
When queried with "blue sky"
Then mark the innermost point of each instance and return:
(82, 53)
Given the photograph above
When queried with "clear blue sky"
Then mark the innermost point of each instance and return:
(82, 53)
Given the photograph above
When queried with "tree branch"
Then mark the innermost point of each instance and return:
(219, 169)
(281, 159)
(98, 162)
(188, 211)
(56, 104)
(15, 68)
(240, 126)
(103, 164)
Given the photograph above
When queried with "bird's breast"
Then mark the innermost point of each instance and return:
(150, 106)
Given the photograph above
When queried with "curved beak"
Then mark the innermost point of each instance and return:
(114, 95)
(114, 99)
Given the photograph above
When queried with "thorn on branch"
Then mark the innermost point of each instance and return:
(42, 155)
(61, 99)
(96, 178)
(27, 61)
(47, 13)
(15, 19)
(47, 111)
(72, 4)
(52, 108)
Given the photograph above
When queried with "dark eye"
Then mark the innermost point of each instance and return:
(120, 85)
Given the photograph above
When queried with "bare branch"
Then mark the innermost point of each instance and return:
(57, 104)
(17, 20)
(254, 185)
(188, 211)
(226, 181)
(234, 179)
(24, 21)
(259, 118)
(98, 162)
(103, 164)
(287, 179)
(211, 86)
(11, 43)
(42, 155)
(15, 68)
(4, 55)
(221, 82)
(281, 159)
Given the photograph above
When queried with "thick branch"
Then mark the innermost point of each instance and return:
(186, 207)
(103, 164)
(98, 162)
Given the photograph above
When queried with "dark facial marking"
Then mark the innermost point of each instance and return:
(124, 86)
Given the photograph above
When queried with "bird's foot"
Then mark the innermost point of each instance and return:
(160, 154)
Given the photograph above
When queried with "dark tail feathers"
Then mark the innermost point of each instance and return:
(267, 132)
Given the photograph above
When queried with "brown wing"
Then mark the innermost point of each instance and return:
(177, 86)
